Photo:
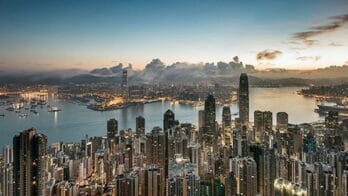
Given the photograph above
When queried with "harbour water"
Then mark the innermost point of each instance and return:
(74, 121)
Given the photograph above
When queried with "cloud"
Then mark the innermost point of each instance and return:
(310, 42)
(44, 64)
(298, 48)
(294, 45)
(78, 64)
(335, 44)
(268, 55)
(291, 42)
(308, 58)
(336, 23)
(155, 64)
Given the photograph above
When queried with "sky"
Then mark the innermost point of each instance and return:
(84, 34)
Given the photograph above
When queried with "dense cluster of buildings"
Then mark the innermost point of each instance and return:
(103, 92)
(232, 157)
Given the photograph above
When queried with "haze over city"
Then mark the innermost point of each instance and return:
(49, 35)
(174, 98)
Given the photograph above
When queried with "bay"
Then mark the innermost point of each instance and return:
(75, 121)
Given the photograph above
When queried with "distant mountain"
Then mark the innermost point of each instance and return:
(44, 77)
(185, 73)
(88, 78)
(328, 72)
(102, 72)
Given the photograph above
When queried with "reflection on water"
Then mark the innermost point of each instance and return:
(299, 108)
(75, 121)
(55, 114)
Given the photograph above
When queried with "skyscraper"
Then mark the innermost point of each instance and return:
(268, 121)
(183, 180)
(7, 180)
(157, 148)
(168, 120)
(140, 125)
(7, 155)
(282, 121)
(243, 98)
(124, 78)
(210, 116)
(231, 184)
(201, 119)
(226, 116)
(112, 128)
(127, 185)
(245, 172)
(125, 84)
(29, 150)
(7, 172)
(154, 182)
(331, 121)
(263, 124)
(258, 125)
(258, 153)
(269, 171)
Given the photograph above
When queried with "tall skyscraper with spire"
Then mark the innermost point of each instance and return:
(243, 98)
(29, 151)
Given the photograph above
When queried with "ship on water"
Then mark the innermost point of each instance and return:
(54, 109)
(324, 109)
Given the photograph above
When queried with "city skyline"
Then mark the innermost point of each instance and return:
(174, 98)
(44, 35)
(224, 153)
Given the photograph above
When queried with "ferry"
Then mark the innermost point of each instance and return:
(323, 109)
(54, 109)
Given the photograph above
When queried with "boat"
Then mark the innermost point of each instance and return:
(42, 102)
(10, 109)
(34, 111)
(151, 101)
(2, 115)
(323, 109)
(22, 115)
(54, 109)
